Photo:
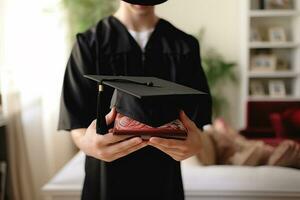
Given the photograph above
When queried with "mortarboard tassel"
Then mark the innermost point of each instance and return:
(101, 122)
(102, 128)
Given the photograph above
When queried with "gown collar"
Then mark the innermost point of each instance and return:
(128, 42)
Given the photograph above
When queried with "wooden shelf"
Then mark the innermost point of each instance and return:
(273, 13)
(270, 45)
(283, 74)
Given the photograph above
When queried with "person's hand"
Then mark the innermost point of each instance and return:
(108, 147)
(180, 149)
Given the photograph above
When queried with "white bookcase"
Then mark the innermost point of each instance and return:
(268, 58)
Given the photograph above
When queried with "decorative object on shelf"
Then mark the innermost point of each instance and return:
(263, 63)
(277, 88)
(277, 34)
(282, 65)
(261, 4)
(255, 35)
(278, 4)
(257, 88)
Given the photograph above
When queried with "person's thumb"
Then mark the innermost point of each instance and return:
(110, 117)
(188, 124)
(92, 125)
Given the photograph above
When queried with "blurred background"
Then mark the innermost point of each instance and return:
(250, 53)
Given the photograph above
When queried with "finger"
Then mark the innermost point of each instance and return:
(188, 124)
(130, 150)
(208, 128)
(93, 124)
(123, 146)
(169, 143)
(92, 128)
(111, 138)
(110, 117)
(220, 126)
(169, 152)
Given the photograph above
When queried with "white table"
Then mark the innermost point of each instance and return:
(205, 183)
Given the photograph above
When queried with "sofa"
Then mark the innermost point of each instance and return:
(200, 182)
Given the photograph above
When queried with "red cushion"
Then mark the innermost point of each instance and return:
(292, 118)
(291, 121)
(277, 124)
(260, 120)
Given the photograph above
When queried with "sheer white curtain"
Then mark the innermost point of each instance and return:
(34, 54)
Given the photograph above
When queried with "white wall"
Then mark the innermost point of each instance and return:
(34, 45)
(220, 18)
(34, 42)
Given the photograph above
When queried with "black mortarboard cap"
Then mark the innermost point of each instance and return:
(145, 2)
(149, 100)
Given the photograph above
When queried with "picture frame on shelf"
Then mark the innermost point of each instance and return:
(277, 88)
(277, 34)
(278, 4)
(255, 35)
(282, 65)
(263, 63)
(261, 4)
(257, 88)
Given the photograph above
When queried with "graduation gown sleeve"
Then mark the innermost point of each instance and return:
(78, 105)
(203, 110)
(192, 75)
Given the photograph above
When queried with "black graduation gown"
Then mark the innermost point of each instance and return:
(108, 49)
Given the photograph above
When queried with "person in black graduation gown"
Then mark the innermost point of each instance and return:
(135, 169)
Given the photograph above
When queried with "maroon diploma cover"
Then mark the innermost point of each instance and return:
(127, 126)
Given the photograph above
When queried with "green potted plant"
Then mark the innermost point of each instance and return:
(83, 14)
(218, 72)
